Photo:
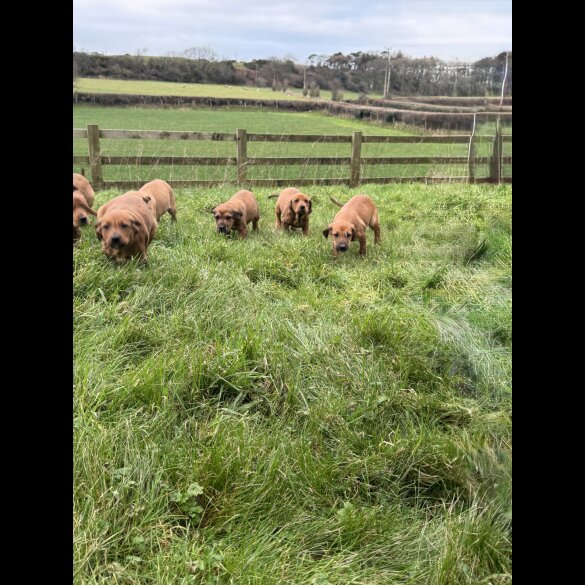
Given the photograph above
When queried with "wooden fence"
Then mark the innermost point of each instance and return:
(96, 160)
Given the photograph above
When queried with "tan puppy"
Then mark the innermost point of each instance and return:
(81, 213)
(160, 198)
(351, 222)
(83, 196)
(81, 184)
(236, 213)
(126, 227)
(292, 210)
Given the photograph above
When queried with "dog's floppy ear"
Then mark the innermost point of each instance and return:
(237, 214)
(212, 210)
(136, 225)
(98, 230)
(352, 233)
(326, 231)
(310, 205)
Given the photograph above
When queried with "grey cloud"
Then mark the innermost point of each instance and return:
(259, 28)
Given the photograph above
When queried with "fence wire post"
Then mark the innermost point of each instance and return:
(496, 159)
(471, 156)
(356, 159)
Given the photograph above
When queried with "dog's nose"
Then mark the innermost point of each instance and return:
(115, 240)
(342, 247)
(82, 219)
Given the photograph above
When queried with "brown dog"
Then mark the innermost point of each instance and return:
(81, 184)
(351, 222)
(81, 213)
(236, 213)
(292, 210)
(83, 196)
(160, 198)
(126, 226)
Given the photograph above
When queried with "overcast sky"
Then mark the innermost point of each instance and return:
(247, 29)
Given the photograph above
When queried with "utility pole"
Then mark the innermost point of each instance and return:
(504, 81)
(387, 75)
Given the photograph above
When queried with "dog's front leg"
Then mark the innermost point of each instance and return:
(278, 219)
(242, 229)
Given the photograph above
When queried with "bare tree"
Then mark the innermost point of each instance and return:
(200, 53)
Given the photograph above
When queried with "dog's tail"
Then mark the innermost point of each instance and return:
(273, 195)
(87, 208)
(336, 202)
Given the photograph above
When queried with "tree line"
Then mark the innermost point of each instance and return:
(362, 72)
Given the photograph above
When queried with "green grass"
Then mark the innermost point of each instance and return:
(256, 121)
(255, 411)
(97, 85)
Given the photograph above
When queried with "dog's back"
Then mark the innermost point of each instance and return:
(360, 205)
(81, 184)
(162, 198)
(247, 199)
(129, 200)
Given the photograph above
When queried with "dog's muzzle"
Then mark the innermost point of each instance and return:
(115, 242)
(222, 229)
(83, 220)
(342, 247)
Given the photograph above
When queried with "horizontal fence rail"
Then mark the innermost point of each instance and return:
(242, 162)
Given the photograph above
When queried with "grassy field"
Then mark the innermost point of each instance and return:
(258, 121)
(97, 85)
(254, 411)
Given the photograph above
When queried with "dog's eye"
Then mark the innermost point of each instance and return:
(296, 201)
(336, 234)
(228, 216)
(347, 234)
(124, 225)
(106, 227)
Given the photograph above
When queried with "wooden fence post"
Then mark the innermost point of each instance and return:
(496, 159)
(95, 156)
(356, 159)
(242, 154)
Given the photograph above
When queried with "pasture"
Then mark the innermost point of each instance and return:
(254, 411)
(262, 121)
(99, 85)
